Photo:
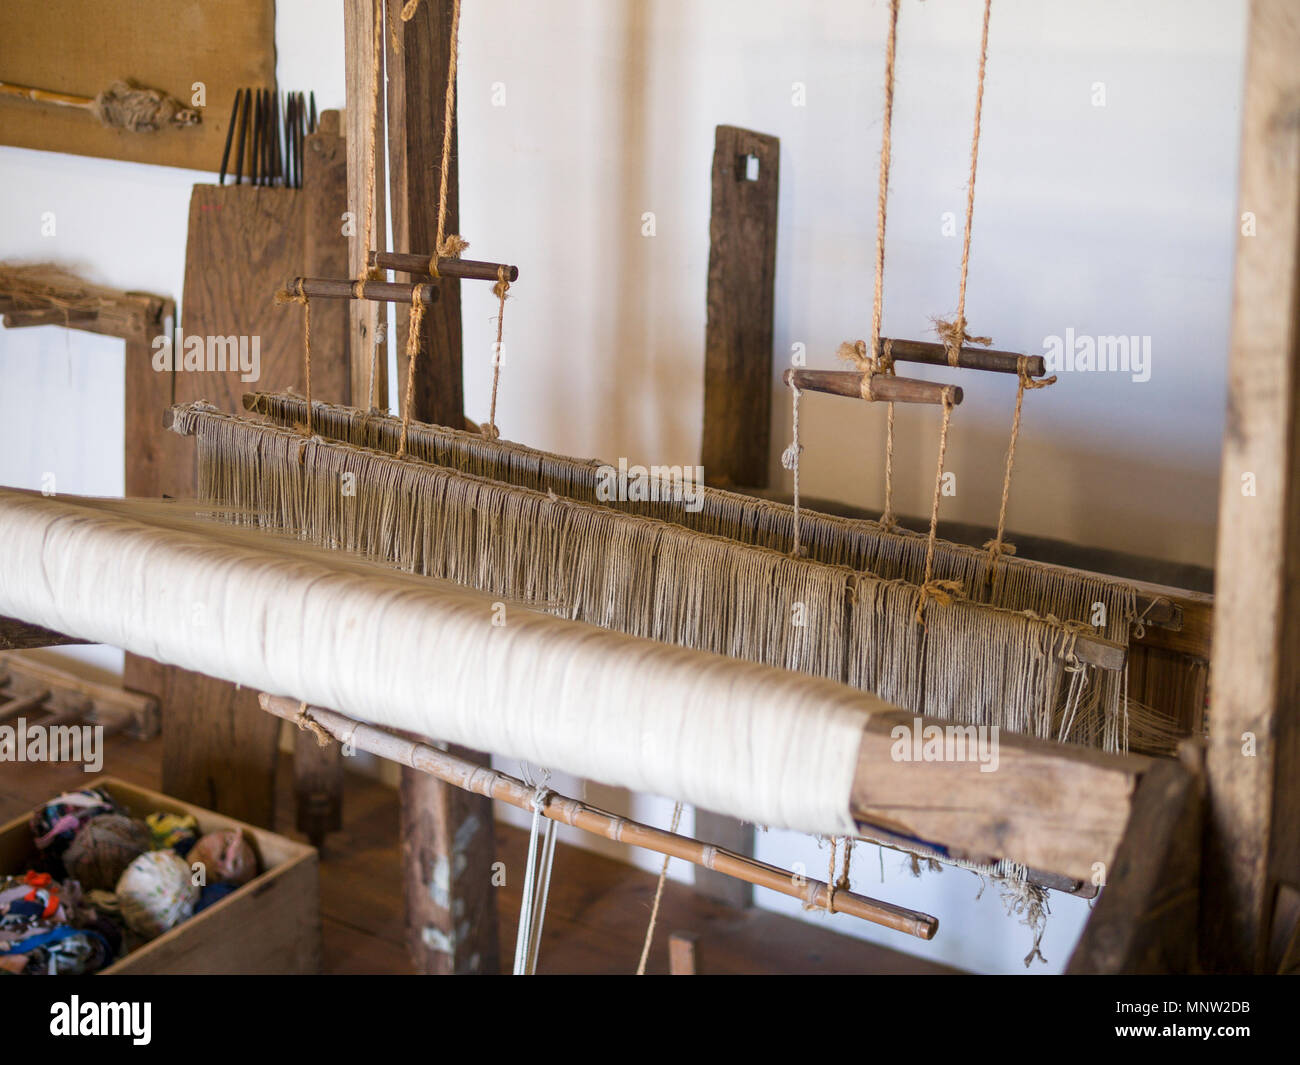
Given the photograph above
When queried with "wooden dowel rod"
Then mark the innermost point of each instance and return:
(885, 388)
(470, 269)
(339, 289)
(969, 358)
(484, 781)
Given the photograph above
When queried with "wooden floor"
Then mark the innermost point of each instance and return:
(598, 907)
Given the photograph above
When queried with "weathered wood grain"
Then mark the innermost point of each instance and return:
(1254, 743)
(738, 334)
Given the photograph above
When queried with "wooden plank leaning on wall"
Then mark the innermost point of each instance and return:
(1252, 857)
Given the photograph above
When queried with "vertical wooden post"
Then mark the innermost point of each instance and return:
(447, 837)
(1254, 751)
(418, 54)
(738, 374)
(738, 337)
(365, 318)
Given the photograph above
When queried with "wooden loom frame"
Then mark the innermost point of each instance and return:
(1200, 855)
(1069, 810)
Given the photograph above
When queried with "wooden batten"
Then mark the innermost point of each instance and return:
(879, 388)
(1059, 808)
(17, 635)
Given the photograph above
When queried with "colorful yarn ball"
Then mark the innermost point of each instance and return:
(156, 893)
(211, 894)
(173, 831)
(55, 825)
(225, 856)
(104, 847)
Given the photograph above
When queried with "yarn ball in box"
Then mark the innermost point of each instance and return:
(56, 824)
(156, 893)
(173, 831)
(225, 856)
(103, 848)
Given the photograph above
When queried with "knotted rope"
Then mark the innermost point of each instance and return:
(938, 590)
(790, 460)
(413, 326)
(996, 546)
(953, 333)
(498, 352)
(885, 363)
(298, 295)
(659, 892)
(307, 723)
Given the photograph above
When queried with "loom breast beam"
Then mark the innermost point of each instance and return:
(468, 269)
(339, 289)
(968, 358)
(414, 653)
(483, 780)
(885, 388)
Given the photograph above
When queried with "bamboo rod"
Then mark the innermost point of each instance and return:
(47, 96)
(470, 269)
(885, 388)
(484, 781)
(968, 358)
(340, 289)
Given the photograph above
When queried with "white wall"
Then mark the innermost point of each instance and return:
(1114, 219)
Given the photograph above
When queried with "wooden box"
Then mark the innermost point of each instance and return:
(271, 925)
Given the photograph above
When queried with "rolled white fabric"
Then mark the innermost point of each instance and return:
(757, 743)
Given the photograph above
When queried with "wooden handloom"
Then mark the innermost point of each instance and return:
(1197, 851)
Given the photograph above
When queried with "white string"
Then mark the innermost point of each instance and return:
(537, 883)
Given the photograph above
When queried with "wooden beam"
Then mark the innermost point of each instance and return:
(1054, 807)
(447, 834)
(968, 357)
(882, 388)
(738, 374)
(738, 334)
(1145, 921)
(419, 51)
(366, 319)
(1254, 743)
(17, 635)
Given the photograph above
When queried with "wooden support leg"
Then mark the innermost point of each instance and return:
(1254, 745)
(738, 374)
(317, 786)
(1146, 919)
(447, 837)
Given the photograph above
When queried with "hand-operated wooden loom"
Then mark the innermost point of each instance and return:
(351, 564)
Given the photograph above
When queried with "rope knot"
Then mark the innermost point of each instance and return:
(307, 723)
(998, 547)
(954, 337)
(942, 592)
(1022, 371)
(790, 456)
(451, 247)
(291, 294)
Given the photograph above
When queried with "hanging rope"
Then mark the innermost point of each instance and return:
(659, 892)
(996, 546)
(790, 460)
(498, 353)
(953, 333)
(368, 272)
(884, 363)
(297, 295)
(413, 326)
(941, 591)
